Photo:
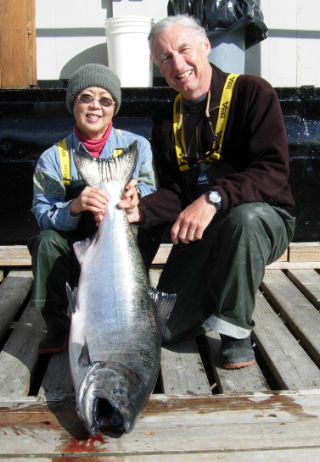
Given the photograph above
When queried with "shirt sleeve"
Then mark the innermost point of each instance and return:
(49, 205)
(146, 176)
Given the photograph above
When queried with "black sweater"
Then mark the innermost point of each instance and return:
(255, 145)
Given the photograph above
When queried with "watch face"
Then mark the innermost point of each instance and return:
(214, 197)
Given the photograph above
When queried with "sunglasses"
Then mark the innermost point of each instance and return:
(88, 99)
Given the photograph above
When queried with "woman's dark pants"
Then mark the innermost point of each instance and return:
(53, 263)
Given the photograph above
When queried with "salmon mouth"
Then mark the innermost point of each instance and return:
(103, 401)
(107, 418)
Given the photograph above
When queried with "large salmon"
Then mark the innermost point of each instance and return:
(117, 319)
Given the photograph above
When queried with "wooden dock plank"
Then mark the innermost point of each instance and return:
(283, 455)
(298, 253)
(308, 281)
(304, 251)
(168, 425)
(19, 356)
(182, 370)
(57, 380)
(288, 362)
(154, 275)
(14, 255)
(233, 381)
(302, 317)
(13, 292)
(164, 250)
(162, 254)
(298, 265)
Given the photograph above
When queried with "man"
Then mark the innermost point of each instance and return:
(222, 161)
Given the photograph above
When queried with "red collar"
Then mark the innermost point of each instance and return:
(95, 146)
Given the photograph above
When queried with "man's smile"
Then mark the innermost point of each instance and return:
(185, 74)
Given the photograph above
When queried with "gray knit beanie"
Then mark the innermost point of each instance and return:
(94, 75)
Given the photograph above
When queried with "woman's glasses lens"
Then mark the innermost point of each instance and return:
(87, 99)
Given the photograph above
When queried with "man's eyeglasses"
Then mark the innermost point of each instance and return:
(88, 99)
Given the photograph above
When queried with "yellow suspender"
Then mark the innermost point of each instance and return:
(224, 108)
(178, 130)
(117, 151)
(222, 119)
(65, 159)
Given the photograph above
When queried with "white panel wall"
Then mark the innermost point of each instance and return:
(156, 9)
(71, 33)
(290, 55)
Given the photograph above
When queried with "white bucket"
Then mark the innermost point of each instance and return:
(128, 50)
(228, 50)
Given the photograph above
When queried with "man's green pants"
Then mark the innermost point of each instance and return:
(217, 277)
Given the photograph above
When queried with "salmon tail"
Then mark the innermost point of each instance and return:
(96, 171)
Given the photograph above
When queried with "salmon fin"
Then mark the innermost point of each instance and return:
(80, 249)
(84, 358)
(71, 298)
(164, 304)
(97, 171)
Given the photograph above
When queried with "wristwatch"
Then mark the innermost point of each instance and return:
(215, 199)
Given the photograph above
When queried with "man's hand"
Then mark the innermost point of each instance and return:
(91, 199)
(135, 215)
(192, 222)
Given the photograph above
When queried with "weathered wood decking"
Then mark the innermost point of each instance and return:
(199, 411)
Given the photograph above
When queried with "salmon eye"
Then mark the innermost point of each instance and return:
(118, 392)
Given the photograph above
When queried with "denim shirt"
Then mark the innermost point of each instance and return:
(49, 205)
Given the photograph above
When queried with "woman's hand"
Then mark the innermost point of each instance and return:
(91, 199)
(130, 198)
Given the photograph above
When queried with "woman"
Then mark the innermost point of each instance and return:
(66, 209)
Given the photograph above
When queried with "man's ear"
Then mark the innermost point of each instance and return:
(207, 46)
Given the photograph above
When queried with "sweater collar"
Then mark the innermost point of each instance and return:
(217, 83)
